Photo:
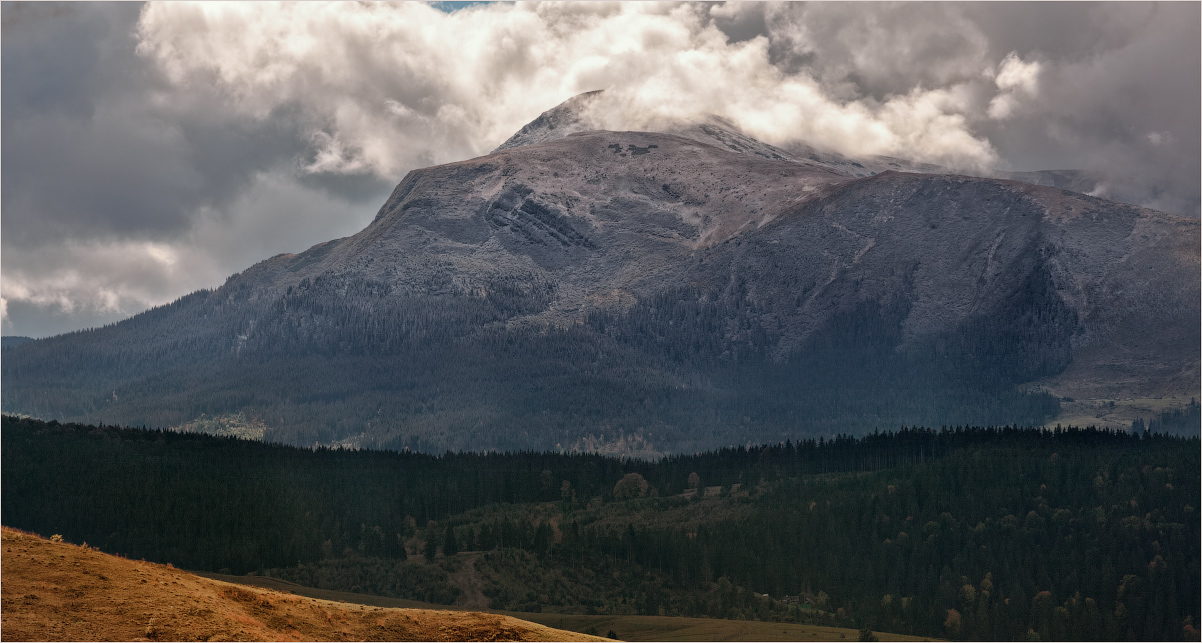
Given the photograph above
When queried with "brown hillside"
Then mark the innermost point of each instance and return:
(54, 591)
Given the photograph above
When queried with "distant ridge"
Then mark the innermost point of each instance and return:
(11, 341)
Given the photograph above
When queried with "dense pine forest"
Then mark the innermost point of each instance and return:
(966, 533)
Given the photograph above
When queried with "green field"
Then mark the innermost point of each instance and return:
(1118, 413)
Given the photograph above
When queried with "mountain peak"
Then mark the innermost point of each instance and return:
(584, 112)
(568, 117)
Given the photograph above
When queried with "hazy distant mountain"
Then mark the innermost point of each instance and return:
(659, 291)
(10, 341)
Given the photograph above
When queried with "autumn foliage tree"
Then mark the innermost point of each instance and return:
(632, 485)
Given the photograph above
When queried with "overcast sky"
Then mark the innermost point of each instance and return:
(151, 150)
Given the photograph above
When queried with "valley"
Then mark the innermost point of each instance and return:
(968, 533)
(627, 627)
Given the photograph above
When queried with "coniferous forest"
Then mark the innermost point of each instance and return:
(964, 533)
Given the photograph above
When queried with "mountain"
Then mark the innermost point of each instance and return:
(648, 292)
(569, 117)
(585, 112)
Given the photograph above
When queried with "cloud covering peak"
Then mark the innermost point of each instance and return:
(152, 150)
(384, 89)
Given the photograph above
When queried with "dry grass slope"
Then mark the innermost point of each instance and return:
(627, 627)
(55, 591)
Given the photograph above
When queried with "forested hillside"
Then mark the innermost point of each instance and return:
(964, 533)
(428, 374)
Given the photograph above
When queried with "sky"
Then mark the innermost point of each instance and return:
(152, 150)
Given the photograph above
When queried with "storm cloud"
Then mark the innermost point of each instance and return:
(150, 150)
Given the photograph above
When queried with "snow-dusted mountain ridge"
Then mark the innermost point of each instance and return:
(579, 114)
(656, 292)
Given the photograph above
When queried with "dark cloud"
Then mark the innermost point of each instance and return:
(93, 153)
(1119, 89)
(105, 161)
(52, 76)
(1063, 30)
(1123, 103)
(876, 50)
(741, 22)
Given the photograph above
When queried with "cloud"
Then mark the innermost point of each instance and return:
(1095, 103)
(876, 50)
(104, 280)
(151, 150)
(109, 168)
(1017, 76)
(1047, 85)
(384, 91)
(1017, 80)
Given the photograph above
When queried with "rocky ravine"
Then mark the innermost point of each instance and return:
(691, 288)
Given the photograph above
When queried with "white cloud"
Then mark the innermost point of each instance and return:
(1016, 80)
(389, 87)
(1016, 75)
(98, 277)
(1002, 106)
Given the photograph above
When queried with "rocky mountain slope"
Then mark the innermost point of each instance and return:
(659, 291)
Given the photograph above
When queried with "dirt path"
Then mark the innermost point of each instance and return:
(467, 579)
(53, 591)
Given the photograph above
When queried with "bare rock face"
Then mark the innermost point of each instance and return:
(569, 117)
(661, 291)
(594, 211)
